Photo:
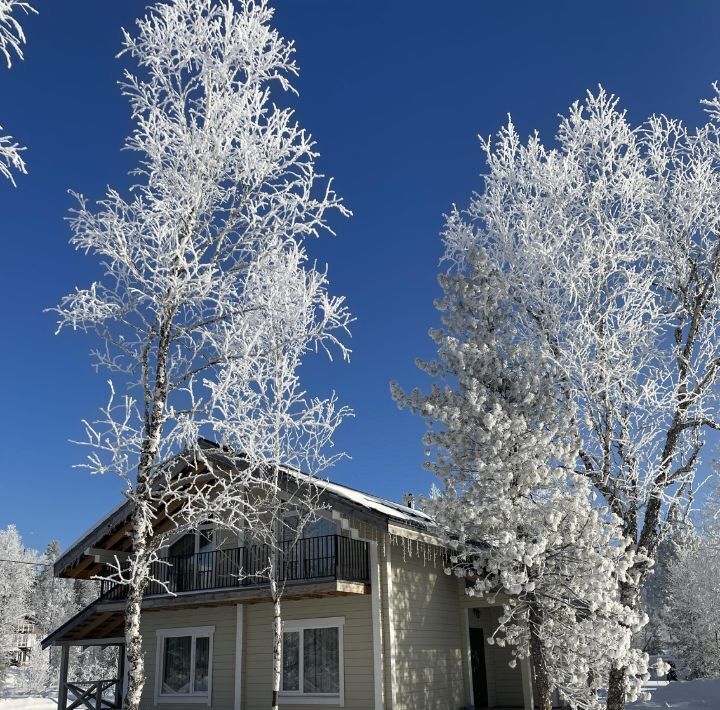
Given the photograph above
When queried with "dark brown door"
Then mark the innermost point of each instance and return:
(477, 663)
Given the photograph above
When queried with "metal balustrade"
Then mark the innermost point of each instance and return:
(327, 557)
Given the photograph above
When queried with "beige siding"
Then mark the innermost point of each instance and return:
(223, 662)
(225, 540)
(357, 642)
(428, 634)
(368, 532)
(388, 635)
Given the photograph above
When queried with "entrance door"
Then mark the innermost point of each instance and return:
(477, 663)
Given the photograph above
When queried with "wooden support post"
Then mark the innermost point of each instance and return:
(62, 689)
(120, 676)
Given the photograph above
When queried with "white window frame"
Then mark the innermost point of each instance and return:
(298, 697)
(204, 697)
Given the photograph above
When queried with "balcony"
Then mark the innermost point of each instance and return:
(330, 557)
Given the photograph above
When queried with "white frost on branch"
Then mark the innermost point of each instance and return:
(608, 246)
(208, 303)
(12, 39)
(691, 604)
(519, 521)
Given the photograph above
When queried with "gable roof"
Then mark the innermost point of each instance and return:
(379, 512)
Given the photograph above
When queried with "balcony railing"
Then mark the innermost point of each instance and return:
(327, 557)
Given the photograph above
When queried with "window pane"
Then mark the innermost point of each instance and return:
(321, 526)
(181, 572)
(205, 557)
(176, 667)
(206, 540)
(202, 663)
(291, 661)
(183, 546)
(290, 524)
(321, 661)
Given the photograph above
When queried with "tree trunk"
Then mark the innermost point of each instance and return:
(543, 685)
(133, 604)
(629, 596)
(277, 645)
(142, 519)
(616, 689)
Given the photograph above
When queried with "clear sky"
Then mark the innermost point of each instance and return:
(395, 93)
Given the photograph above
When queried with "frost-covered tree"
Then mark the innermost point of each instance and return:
(262, 411)
(17, 575)
(657, 598)
(207, 295)
(692, 616)
(608, 244)
(12, 39)
(518, 519)
(691, 608)
(52, 601)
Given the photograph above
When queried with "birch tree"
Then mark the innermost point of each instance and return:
(12, 39)
(519, 521)
(195, 315)
(607, 244)
(262, 411)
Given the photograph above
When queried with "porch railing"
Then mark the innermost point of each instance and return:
(327, 557)
(93, 695)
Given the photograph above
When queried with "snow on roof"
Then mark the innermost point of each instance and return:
(399, 513)
(383, 506)
(90, 533)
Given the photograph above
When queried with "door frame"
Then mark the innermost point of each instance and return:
(471, 682)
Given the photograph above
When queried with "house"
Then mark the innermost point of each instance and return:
(26, 638)
(370, 619)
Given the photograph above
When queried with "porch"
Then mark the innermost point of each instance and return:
(105, 694)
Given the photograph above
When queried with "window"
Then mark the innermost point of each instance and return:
(319, 527)
(184, 664)
(311, 553)
(192, 558)
(312, 661)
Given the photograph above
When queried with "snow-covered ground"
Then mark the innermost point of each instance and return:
(28, 704)
(681, 695)
(13, 697)
(702, 694)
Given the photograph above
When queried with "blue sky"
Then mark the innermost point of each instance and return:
(395, 94)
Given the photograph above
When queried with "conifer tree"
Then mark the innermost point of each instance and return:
(520, 521)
